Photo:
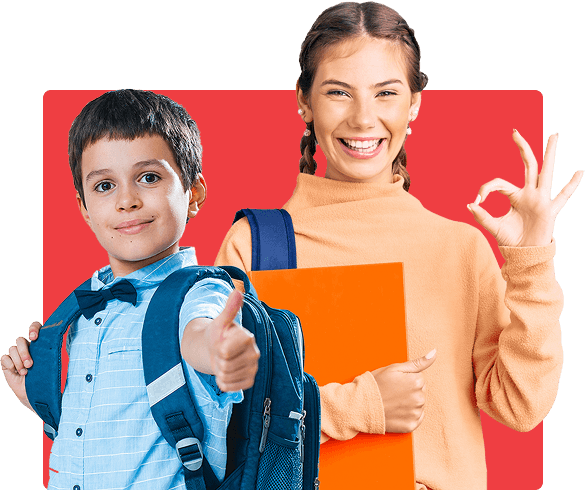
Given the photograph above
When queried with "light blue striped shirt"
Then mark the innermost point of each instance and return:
(107, 437)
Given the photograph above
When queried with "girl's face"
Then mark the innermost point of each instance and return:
(361, 104)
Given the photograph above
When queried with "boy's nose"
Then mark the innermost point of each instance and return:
(128, 199)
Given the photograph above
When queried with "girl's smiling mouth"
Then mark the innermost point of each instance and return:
(362, 147)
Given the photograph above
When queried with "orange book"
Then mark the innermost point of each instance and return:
(353, 321)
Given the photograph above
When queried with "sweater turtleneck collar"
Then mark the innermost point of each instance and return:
(312, 191)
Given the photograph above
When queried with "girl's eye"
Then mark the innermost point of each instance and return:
(104, 186)
(387, 93)
(149, 178)
(337, 93)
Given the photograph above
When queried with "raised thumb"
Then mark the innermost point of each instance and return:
(417, 365)
(225, 319)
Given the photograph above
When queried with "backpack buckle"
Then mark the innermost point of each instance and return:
(190, 453)
(49, 431)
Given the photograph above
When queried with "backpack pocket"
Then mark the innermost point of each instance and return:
(311, 433)
(279, 467)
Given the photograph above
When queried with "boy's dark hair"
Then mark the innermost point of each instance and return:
(129, 114)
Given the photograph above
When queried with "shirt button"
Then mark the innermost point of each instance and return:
(78, 432)
(97, 321)
(88, 378)
(76, 487)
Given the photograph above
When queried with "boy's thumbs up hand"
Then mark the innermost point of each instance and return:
(402, 386)
(232, 349)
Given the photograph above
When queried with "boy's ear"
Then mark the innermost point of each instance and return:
(198, 196)
(307, 113)
(82, 209)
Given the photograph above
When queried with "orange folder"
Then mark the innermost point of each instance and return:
(353, 321)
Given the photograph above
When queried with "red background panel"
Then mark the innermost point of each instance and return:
(460, 140)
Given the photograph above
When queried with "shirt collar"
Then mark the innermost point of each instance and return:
(150, 275)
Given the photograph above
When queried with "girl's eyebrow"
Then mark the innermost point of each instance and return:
(153, 162)
(332, 81)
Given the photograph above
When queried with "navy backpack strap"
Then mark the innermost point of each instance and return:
(240, 275)
(43, 380)
(273, 238)
(168, 393)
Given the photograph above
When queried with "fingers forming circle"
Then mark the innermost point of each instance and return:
(500, 185)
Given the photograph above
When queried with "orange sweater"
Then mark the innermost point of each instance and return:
(498, 344)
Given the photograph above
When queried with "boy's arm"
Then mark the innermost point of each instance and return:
(16, 363)
(222, 347)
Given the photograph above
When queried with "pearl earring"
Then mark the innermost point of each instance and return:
(408, 130)
(301, 112)
(307, 132)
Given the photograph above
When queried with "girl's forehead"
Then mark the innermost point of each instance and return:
(362, 57)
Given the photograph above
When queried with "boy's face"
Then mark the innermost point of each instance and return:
(136, 204)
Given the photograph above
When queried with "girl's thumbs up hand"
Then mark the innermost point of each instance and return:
(232, 349)
(403, 388)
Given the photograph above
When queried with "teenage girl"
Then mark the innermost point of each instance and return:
(494, 334)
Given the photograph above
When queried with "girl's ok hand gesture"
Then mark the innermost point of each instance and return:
(531, 218)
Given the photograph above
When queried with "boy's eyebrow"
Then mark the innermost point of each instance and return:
(152, 161)
(104, 171)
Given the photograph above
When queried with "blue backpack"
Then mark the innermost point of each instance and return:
(273, 435)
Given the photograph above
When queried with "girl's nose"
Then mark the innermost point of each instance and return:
(362, 115)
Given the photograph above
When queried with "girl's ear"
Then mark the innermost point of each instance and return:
(82, 210)
(304, 107)
(198, 196)
(415, 105)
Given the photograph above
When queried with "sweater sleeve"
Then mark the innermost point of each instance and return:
(346, 409)
(517, 354)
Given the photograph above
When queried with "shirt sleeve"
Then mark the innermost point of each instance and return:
(517, 355)
(206, 299)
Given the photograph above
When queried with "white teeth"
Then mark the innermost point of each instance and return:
(367, 146)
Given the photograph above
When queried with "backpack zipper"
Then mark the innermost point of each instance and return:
(303, 436)
(265, 424)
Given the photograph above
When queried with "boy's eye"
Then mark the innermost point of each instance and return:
(149, 178)
(104, 186)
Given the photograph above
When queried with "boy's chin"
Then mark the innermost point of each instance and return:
(123, 264)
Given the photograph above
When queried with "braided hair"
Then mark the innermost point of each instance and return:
(350, 20)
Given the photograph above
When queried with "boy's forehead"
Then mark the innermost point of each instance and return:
(119, 153)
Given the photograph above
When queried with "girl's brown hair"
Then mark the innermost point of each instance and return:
(350, 20)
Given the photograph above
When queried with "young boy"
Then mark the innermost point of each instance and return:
(136, 163)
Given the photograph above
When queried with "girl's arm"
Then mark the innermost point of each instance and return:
(517, 354)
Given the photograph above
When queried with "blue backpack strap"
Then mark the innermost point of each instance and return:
(240, 275)
(273, 238)
(43, 380)
(170, 400)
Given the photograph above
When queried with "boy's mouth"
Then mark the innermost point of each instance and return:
(132, 227)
